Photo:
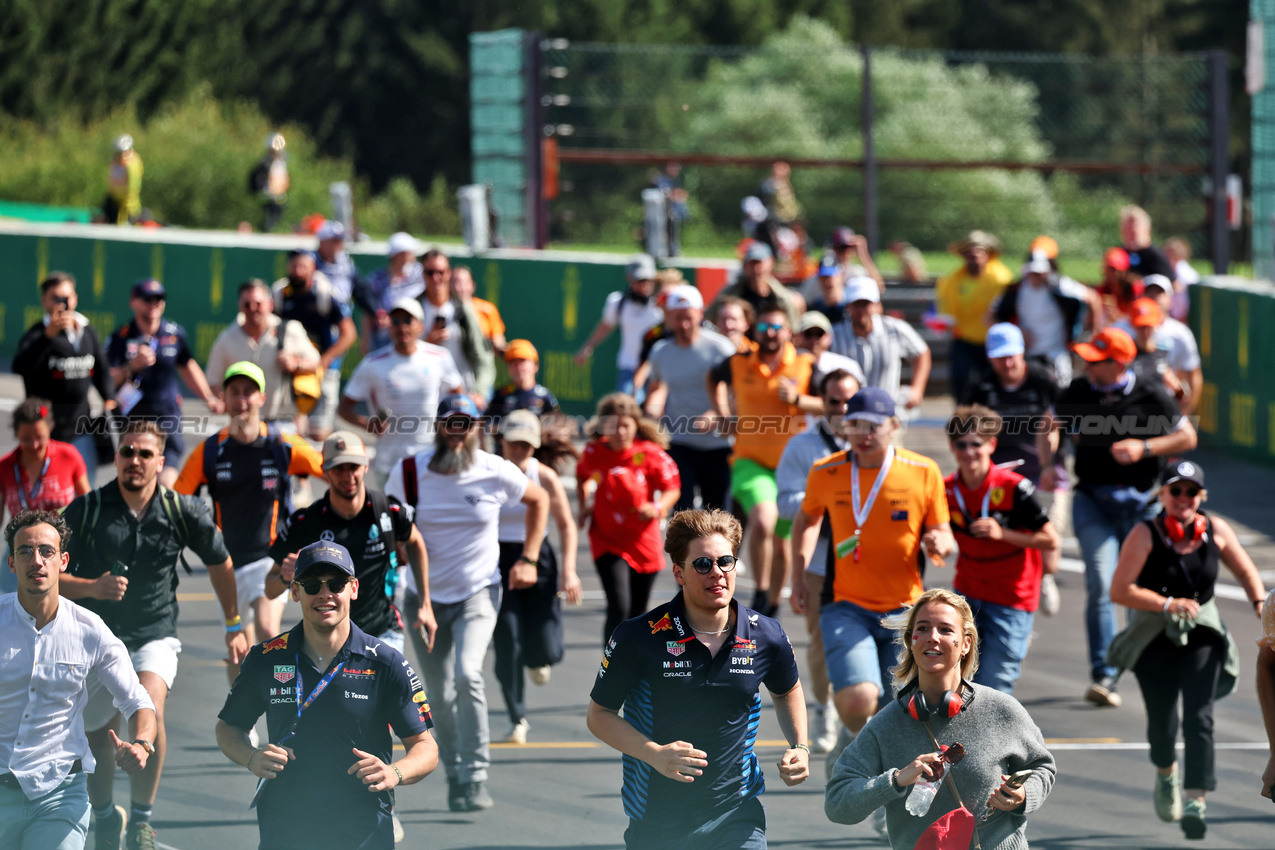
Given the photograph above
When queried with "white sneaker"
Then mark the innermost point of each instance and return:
(1050, 598)
(539, 675)
(877, 821)
(517, 733)
(824, 725)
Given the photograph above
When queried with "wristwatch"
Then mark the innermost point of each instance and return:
(145, 745)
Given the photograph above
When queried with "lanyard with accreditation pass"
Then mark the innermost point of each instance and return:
(301, 706)
(28, 501)
(862, 509)
(960, 500)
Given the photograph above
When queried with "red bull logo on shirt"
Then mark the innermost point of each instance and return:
(663, 624)
(281, 642)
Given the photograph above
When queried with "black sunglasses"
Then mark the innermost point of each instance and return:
(704, 565)
(962, 445)
(128, 453)
(312, 586)
(401, 319)
(1192, 492)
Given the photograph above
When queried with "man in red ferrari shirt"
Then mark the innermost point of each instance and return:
(1000, 530)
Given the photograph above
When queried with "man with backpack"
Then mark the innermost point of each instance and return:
(245, 467)
(127, 537)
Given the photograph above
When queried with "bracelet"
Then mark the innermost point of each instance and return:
(894, 782)
(397, 773)
(1146, 448)
(805, 747)
(527, 560)
(237, 627)
(234, 621)
(1168, 600)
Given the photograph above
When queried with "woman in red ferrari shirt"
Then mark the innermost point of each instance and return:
(635, 484)
(41, 473)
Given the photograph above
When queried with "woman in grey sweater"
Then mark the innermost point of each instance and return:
(938, 656)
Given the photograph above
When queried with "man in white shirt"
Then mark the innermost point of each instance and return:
(880, 343)
(1051, 309)
(465, 488)
(401, 385)
(634, 312)
(814, 334)
(1175, 338)
(53, 644)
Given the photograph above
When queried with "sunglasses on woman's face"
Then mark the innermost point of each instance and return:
(1190, 492)
(704, 565)
(314, 586)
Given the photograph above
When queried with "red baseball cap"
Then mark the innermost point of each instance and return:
(1117, 258)
(1145, 313)
(1107, 344)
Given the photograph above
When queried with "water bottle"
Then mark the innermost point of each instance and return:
(918, 802)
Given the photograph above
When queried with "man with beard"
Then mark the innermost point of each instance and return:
(634, 311)
(306, 296)
(771, 392)
(466, 488)
(757, 284)
(880, 344)
(128, 537)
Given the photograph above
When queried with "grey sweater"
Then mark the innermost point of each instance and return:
(999, 737)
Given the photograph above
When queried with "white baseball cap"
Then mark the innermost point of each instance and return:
(401, 242)
(862, 288)
(685, 297)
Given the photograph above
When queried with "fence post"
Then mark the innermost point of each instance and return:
(1219, 123)
(869, 156)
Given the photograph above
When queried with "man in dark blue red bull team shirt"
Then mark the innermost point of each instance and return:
(688, 675)
(331, 694)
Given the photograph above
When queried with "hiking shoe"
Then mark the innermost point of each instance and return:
(471, 797)
(1168, 796)
(1103, 692)
(844, 737)
(1050, 598)
(141, 837)
(1193, 825)
(110, 830)
(517, 733)
(539, 675)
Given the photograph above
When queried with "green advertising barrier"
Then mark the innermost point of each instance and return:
(1234, 322)
(552, 298)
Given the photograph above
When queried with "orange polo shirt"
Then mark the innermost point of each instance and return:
(885, 576)
(765, 423)
(489, 322)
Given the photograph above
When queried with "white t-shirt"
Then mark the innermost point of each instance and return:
(409, 385)
(458, 516)
(634, 321)
(1040, 316)
(453, 343)
(1174, 338)
(513, 516)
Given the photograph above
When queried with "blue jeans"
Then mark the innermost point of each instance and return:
(857, 647)
(624, 380)
(86, 445)
(57, 821)
(1003, 636)
(1101, 526)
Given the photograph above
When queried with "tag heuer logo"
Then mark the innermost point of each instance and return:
(675, 647)
(285, 672)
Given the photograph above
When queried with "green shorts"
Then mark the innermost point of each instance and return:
(752, 484)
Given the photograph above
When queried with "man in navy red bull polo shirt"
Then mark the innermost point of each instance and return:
(688, 675)
(330, 694)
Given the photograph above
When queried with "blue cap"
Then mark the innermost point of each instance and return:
(321, 553)
(457, 405)
(757, 252)
(149, 287)
(1004, 340)
(872, 404)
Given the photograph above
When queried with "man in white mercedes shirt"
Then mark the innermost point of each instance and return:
(51, 645)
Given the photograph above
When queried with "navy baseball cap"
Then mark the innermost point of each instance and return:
(149, 287)
(871, 404)
(321, 553)
(1183, 470)
(457, 405)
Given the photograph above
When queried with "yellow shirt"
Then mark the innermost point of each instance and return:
(968, 299)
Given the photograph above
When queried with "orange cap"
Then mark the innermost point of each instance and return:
(1117, 258)
(521, 349)
(1046, 245)
(1107, 344)
(1145, 313)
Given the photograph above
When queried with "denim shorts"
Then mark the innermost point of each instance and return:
(857, 647)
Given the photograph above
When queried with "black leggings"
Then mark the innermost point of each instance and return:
(1165, 671)
(528, 627)
(628, 591)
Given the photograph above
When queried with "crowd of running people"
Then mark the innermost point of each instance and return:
(761, 435)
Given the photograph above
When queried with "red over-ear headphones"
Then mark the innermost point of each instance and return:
(1177, 533)
(950, 704)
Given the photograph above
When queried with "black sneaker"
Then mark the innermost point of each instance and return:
(475, 797)
(110, 829)
(1103, 692)
(456, 795)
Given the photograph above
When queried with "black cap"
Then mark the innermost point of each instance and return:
(321, 553)
(1183, 470)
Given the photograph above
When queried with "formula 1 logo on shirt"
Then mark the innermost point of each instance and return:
(285, 672)
(663, 624)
